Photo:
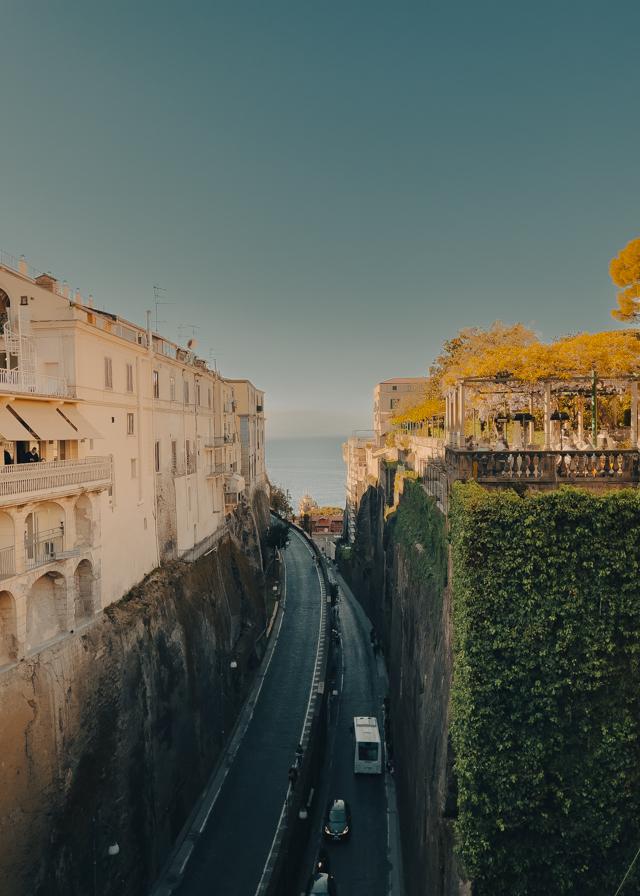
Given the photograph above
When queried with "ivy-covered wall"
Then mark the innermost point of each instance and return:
(546, 689)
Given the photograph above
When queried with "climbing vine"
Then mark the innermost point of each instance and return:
(546, 689)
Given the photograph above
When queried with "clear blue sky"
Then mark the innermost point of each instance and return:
(326, 189)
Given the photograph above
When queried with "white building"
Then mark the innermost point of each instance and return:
(140, 450)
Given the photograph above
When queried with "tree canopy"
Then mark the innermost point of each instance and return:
(281, 501)
(625, 271)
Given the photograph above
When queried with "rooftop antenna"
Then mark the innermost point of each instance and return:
(192, 327)
(212, 359)
(156, 298)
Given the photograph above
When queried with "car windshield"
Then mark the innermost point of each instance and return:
(337, 816)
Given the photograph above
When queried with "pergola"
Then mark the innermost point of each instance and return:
(495, 413)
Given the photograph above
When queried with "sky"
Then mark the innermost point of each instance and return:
(325, 190)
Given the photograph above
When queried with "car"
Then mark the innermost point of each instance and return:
(322, 884)
(337, 821)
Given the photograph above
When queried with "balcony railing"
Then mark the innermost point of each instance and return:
(43, 547)
(24, 480)
(19, 381)
(218, 441)
(611, 466)
(217, 469)
(7, 562)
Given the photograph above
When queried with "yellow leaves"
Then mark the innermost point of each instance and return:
(614, 353)
(625, 271)
(430, 407)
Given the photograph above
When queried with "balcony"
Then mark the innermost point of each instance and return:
(218, 442)
(33, 384)
(592, 467)
(216, 470)
(22, 482)
(45, 547)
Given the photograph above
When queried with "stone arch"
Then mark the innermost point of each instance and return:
(5, 304)
(44, 533)
(84, 521)
(46, 609)
(85, 591)
(8, 628)
(7, 546)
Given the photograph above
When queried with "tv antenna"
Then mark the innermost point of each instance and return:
(157, 290)
(191, 343)
(212, 359)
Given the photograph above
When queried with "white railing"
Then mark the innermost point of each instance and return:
(22, 480)
(33, 383)
(44, 547)
(7, 562)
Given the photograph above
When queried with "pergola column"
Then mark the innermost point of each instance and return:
(461, 398)
(634, 414)
(547, 416)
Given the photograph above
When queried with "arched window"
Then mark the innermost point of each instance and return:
(4, 309)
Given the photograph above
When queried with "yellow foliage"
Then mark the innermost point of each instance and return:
(625, 271)
(430, 407)
(612, 354)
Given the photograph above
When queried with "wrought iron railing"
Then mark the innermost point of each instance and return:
(7, 562)
(43, 547)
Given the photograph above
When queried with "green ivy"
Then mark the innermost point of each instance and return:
(420, 528)
(546, 689)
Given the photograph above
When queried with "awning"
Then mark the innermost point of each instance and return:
(85, 430)
(44, 420)
(233, 482)
(11, 429)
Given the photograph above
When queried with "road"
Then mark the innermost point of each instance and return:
(359, 865)
(231, 853)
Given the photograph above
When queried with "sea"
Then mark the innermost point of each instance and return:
(309, 466)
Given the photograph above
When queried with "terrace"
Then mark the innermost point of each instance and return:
(582, 430)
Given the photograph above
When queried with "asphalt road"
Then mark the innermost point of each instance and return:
(359, 865)
(232, 851)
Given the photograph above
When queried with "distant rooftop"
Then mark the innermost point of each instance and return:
(404, 379)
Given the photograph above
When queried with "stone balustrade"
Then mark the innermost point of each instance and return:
(38, 480)
(544, 467)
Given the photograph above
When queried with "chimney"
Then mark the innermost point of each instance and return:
(46, 281)
(65, 289)
(78, 297)
(90, 301)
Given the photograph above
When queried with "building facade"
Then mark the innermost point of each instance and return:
(392, 397)
(121, 449)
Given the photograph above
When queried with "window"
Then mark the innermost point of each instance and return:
(134, 468)
(156, 384)
(209, 401)
(198, 394)
(174, 456)
(108, 374)
(24, 300)
(130, 424)
(156, 452)
(129, 377)
(172, 388)
(185, 387)
(394, 388)
(393, 403)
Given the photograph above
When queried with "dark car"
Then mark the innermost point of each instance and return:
(322, 885)
(337, 821)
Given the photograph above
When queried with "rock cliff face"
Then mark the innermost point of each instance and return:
(109, 735)
(399, 571)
